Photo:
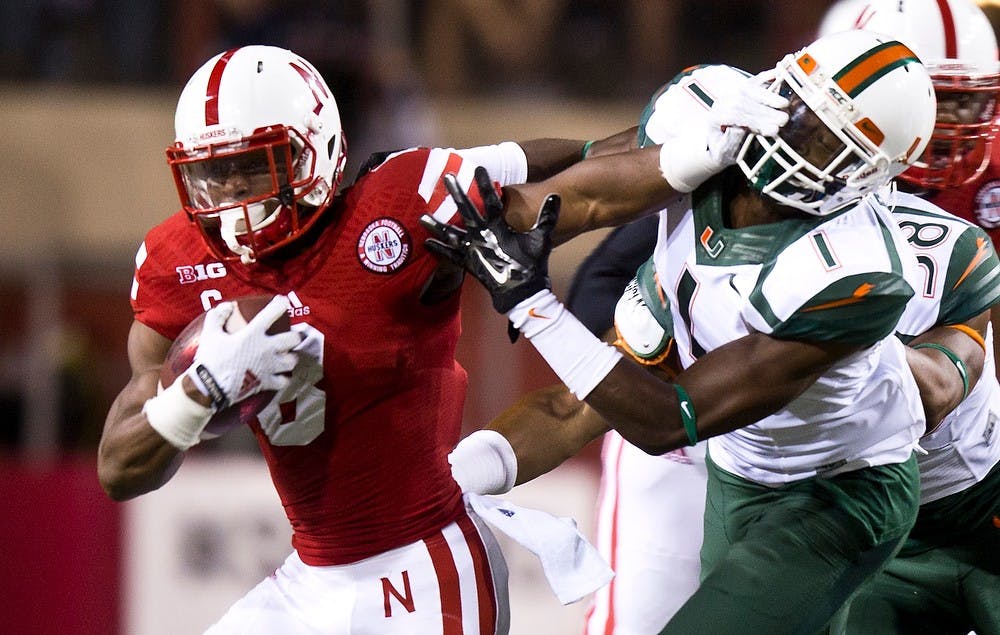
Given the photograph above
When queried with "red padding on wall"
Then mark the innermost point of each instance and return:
(59, 549)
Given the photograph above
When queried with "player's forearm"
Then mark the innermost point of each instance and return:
(642, 408)
(545, 428)
(619, 142)
(605, 191)
(728, 388)
(133, 458)
(547, 157)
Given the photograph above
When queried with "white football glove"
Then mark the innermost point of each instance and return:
(689, 160)
(229, 367)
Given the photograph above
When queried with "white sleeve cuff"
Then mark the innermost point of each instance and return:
(178, 418)
(484, 463)
(506, 162)
(685, 163)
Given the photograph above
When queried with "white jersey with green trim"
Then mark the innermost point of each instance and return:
(836, 278)
(958, 278)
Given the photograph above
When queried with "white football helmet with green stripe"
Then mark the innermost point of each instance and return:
(862, 111)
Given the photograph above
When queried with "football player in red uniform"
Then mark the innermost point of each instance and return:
(369, 396)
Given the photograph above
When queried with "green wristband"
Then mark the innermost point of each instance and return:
(586, 149)
(688, 417)
(955, 359)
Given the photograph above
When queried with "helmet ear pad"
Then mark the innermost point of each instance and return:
(229, 106)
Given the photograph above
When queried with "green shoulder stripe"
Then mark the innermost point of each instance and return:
(647, 112)
(858, 309)
(972, 282)
(649, 290)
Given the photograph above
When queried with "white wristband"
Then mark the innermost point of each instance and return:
(178, 418)
(580, 359)
(686, 163)
(484, 463)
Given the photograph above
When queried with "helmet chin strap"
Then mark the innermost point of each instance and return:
(227, 230)
(229, 220)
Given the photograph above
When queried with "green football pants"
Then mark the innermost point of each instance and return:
(946, 578)
(783, 560)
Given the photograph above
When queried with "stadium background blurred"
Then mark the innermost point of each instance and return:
(87, 91)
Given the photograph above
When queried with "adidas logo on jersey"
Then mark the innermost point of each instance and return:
(297, 309)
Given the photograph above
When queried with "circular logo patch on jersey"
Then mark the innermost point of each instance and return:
(384, 246)
(988, 205)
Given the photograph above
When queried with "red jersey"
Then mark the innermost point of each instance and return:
(977, 202)
(359, 455)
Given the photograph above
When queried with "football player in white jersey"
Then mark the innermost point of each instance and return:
(946, 578)
(652, 543)
(784, 281)
(653, 540)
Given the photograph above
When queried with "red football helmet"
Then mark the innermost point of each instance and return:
(259, 150)
(955, 41)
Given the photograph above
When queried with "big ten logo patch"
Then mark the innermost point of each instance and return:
(384, 246)
(196, 273)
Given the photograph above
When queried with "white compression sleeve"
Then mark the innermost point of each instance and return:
(580, 359)
(506, 161)
(686, 163)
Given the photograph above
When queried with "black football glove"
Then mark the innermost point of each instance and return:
(513, 266)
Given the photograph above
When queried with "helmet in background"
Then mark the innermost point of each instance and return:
(259, 150)
(841, 16)
(862, 111)
(956, 42)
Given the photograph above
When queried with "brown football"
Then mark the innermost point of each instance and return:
(181, 355)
